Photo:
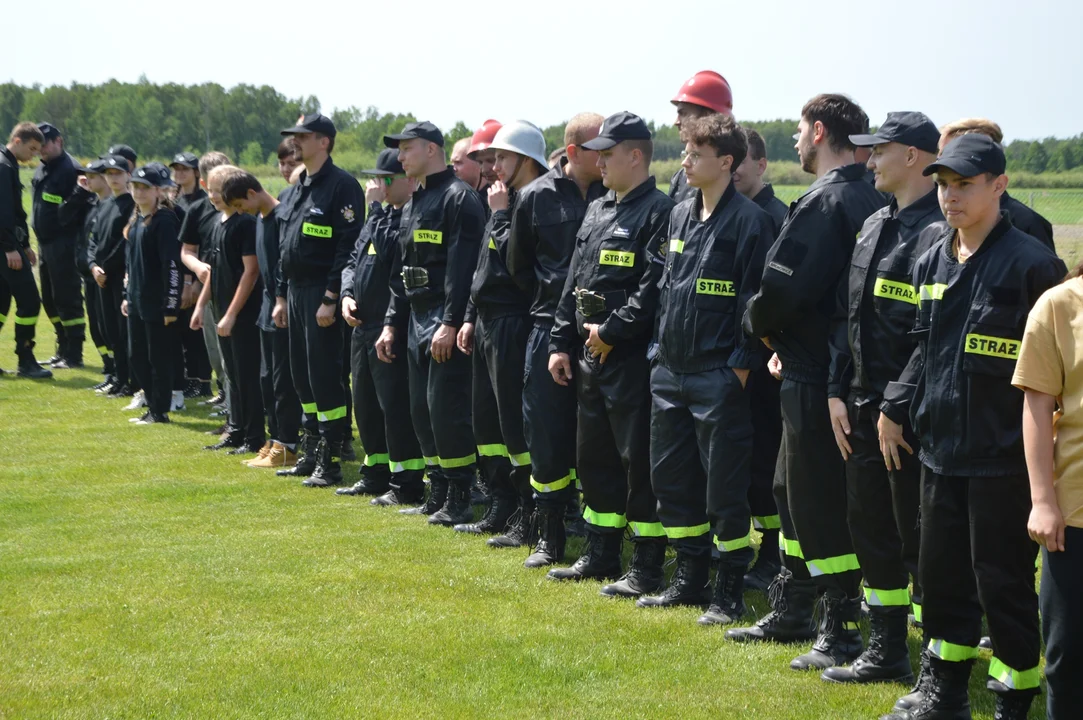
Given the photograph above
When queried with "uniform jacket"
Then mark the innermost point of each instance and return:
(81, 210)
(14, 233)
(367, 277)
(493, 292)
(679, 189)
(1025, 219)
(52, 184)
(154, 277)
(774, 207)
(105, 247)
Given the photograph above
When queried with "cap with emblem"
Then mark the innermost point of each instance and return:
(123, 151)
(970, 155)
(49, 131)
(387, 163)
(154, 174)
(185, 159)
(313, 123)
(116, 162)
(618, 128)
(913, 129)
(96, 167)
(424, 130)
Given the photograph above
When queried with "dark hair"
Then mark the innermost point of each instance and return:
(840, 116)
(330, 141)
(720, 132)
(210, 161)
(285, 148)
(25, 132)
(757, 149)
(644, 146)
(237, 185)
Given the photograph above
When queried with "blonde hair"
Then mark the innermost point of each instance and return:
(220, 174)
(582, 127)
(966, 126)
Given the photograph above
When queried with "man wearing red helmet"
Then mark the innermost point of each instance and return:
(485, 158)
(703, 94)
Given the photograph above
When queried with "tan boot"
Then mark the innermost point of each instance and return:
(278, 457)
(263, 452)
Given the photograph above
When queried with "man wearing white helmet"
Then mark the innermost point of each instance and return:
(497, 326)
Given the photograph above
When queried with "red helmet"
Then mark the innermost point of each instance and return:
(483, 136)
(707, 89)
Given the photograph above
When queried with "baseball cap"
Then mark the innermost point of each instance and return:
(154, 174)
(387, 163)
(424, 130)
(49, 131)
(314, 123)
(125, 151)
(618, 128)
(185, 159)
(116, 162)
(94, 166)
(969, 155)
(913, 129)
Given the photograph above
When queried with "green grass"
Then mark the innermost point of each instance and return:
(141, 577)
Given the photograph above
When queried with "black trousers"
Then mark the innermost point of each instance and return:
(613, 442)
(347, 360)
(549, 424)
(766, 409)
(19, 284)
(440, 398)
(151, 355)
(1062, 626)
(94, 318)
(197, 364)
(976, 555)
(62, 290)
(811, 481)
(241, 354)
(280, 402)
(499, 363)
(371, 427)
(882, 512)
(316, 364)
(116, 329)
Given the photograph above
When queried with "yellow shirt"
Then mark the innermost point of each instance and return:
(1051, 361)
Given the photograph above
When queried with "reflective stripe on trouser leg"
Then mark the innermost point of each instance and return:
(766, 522)
(887, 598)
(367, 413)
(448, 394)
(494, 468)
(504, 349)
(952, 652)
(391, 383)
(549, 424)
(1015, 679)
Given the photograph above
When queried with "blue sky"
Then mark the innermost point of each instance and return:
(1017, 63)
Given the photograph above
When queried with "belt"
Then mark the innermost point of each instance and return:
(590, 303)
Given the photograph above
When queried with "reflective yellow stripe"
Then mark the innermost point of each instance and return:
(413, 464)
(103, 350)
(709, 286)
(372, 249)
(378, 458)
(448, 463)
(3, 318)
(50, 198)
(766, 522)
(892, 290)
(849, 625)
(620, 258)
(790, 547)
(434, 237)
(54, 320)
(312, 230)
(887, 598)
(492, 244)
(308, 408)
(642, 529)
(1014, 679)
(73, 322)
(432, 460)
(519, 459)
(933, 292)
(676, 246)
(611, 520)
(992, 346)
(493, 450)
(952, 652)
(26, 320)
(689, 531)
(916, 609)
(332, 414)
(832, 565)
(553, 486)
(731, 545)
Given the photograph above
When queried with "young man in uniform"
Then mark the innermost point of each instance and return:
(61, 290)
(748, 179)
(466, 168)
(975, 288)
(541, 241)
(393, 465)
(703, 94)
(16, 268)
(197, 363)
(439, 236)
(701, 420)
(317, 232)
(792, 312)
(608, 304)
(871, 343)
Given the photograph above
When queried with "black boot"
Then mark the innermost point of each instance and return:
(457, 508)
(371, 483)
(690, 584)
(552, 538)
(29, 366)
(790, 619)
(108, 365)
(495, 519)
(600, 561)
(767, 564)
(945, 694)
(1011, 704)
(402, 495)
(912, 700)
(727, 600)
(437, 496)
(328, 470)
(839, 639)
(574, 524)
(646, 572)
(306, 457)
(72, 355)
(348, 454)
(516, 532)
(887, 658)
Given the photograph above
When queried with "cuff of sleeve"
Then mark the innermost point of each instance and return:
(745, 358)
(893, 413)
(834, 390)
(603, 333)
(375, 208)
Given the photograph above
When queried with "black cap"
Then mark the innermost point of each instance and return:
(617, 128)
(185, 159)
(912, 129)
(154, 174)
(387, 163)
(123, 151)
(314, 123)
(94, 166)
(49, 131)
(424, 130)
(116, 162)
(969, 155)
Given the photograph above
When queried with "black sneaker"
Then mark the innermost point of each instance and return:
(154, 419)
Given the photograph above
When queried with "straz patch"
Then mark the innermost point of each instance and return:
(313, 230)
(780, 268)
(433, 237)
(50, 198)
(619, 258)
(348, 214)
(895, 291)
(721, 288)
(992, 346)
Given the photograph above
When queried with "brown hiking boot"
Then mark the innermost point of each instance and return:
(279, 456)
(263, 452)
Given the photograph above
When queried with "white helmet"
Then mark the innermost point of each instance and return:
(524, 138)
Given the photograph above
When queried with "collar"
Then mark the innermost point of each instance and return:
(764, 196)
(9, 155)
(637, 192)
(842, 174)
(911, 214)
(59, 159)
(308, 180)
(439, 178)
(727, 196)
(1004, 224)
(198, 194)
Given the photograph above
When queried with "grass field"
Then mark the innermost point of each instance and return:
(141, 577)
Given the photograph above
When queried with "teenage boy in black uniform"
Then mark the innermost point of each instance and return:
(393, 465)
(439, 236)
(975, 288)
(870, 345)
(701, 420)
(197, 363)
(16, 268)
(318, 230)
(792, 311)
(61, 290)
(609, 301)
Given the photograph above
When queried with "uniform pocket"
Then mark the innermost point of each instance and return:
(993, 407)
(715, 289)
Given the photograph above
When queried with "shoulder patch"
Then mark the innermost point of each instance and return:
(348, 213)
